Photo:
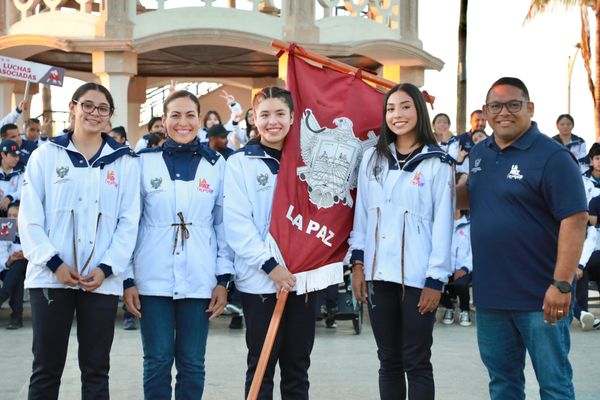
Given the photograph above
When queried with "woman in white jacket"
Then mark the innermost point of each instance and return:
(250, 182)
(78, 220)
(181, 264)
(401, 241)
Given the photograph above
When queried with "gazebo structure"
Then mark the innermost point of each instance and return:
(130, 46)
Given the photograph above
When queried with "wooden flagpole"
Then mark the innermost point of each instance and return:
(334, 64)
(265, 353)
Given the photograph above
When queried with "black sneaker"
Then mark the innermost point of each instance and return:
(237, 322)
(330, 321)
(15, 323)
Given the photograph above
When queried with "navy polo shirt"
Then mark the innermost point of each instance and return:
(518, 197)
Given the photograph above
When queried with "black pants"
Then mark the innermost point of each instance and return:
(593, 267)
(12, 287)
(457, 288)
(404, 338)
(292, 347)
(52, 315)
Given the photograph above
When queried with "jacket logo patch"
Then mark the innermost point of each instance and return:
(262, 179)
(111, 178)
(62, 171)
(156, 182)
(204, 186)
(417, 181)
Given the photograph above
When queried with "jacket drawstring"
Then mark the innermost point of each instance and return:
(402, 258)
(375, 252)
(180, 227)
(89, 259)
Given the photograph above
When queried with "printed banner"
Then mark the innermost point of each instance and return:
(22, 70)
(337, 117)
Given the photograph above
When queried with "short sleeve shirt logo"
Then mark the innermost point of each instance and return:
(204, 186)
(514, 173)
(476, 166)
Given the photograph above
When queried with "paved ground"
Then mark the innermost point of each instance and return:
(344, 365)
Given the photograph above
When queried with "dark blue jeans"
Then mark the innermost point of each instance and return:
(505, 336)
(12, 288)
(174, 330)
(404, 338)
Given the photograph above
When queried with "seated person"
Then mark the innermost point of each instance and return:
(13, 266)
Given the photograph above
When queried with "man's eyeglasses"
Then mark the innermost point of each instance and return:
(88, 107)
(513, 106)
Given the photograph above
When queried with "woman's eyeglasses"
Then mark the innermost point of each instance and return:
(88, 107)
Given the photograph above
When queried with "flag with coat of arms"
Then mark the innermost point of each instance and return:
(337, 116)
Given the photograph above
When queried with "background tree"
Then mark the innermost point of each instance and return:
(461, 75)
(585, 6)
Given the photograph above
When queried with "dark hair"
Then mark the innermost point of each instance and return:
(178, 94)
(6, 128)
(120, 130)
(594, 151)
(475, 112)
(273, 92)
(440, 115)
(249, 121)
(151, 123)
(507, 80)
(86, 87)
(16, 203)
(154, 138)
(567, 116)
(32, 121)
(208, 114)
(424, 132)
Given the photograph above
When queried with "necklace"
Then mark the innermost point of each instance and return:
(402, 159)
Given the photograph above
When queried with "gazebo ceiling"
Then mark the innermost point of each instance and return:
(195, 60)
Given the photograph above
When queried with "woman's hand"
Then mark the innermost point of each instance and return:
(67, 275)
(217, 302)
(359, 284)
(93, 280)
(430, 298)
(132, 301)
(462, 154)
(283, 279)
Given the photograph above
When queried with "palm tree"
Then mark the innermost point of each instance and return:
(461, 74)
(539, 6)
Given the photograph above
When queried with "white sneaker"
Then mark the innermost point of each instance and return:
(597, 324)
(586, 319)
(464, 319)
(448, 317)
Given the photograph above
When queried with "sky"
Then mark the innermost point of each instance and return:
(499, 44)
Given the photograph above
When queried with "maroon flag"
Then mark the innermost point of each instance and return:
(337, 117)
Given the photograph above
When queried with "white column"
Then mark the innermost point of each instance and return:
(114, 69)
(117, 84)
(6, 90)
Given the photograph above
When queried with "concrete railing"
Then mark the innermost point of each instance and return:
(385, 12)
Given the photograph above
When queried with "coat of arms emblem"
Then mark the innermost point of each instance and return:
(155, 182)
(331, 158)
(62, 171)
(262, 179)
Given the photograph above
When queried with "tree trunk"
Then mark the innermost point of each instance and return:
(461, 76)
(597, 85)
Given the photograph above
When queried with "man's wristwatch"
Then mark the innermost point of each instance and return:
(563, 286)
(225, 284)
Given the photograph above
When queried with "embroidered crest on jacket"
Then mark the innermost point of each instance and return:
(61, 172)
(111, 178)
(156, 182)
(262, 179)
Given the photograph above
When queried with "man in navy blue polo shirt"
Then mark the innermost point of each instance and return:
(465, 141)
(528, 221)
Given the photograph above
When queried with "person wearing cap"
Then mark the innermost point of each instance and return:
(11, 177)
(217, 140)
